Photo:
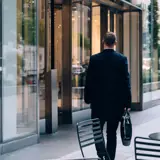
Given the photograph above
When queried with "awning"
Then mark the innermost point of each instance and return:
(120, 5)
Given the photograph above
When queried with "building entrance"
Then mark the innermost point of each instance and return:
(106, 19)
(73, 32)
(125, 20)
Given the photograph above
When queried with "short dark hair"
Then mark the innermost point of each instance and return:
(109, 38)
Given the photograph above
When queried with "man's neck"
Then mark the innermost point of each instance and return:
(106, 47)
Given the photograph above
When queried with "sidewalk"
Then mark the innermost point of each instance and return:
(123, 153)
(64, 144)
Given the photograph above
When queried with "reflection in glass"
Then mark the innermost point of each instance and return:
(96, 47)
(58, 50)
(80, 52)
(27, 78)
(147, 96)
(115, 23)
(109, 23)
(20, 68)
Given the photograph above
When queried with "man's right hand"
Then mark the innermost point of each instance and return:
(128, 109)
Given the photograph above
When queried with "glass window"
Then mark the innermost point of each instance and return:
(80, 52)
(19, 75)
(109, 22)
(155, 54)
(58, 51)
(146, 50)
(147, 60)
(115, 23)
(96, 39)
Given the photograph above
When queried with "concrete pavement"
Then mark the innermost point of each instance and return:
(123, 153)
(64, 144)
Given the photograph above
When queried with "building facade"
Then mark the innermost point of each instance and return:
(45, 51)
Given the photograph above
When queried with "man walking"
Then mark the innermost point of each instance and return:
(108, 90)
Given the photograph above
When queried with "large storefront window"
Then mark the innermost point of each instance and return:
(19, 68)
(151, 51)
(80, 52)
(155, 50)
(147, 60)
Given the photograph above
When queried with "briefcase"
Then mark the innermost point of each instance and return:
(126, 129)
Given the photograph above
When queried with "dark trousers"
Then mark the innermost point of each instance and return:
(111, 133)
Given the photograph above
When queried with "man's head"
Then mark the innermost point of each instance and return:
(109, 40)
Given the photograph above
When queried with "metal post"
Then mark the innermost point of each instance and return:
(23, 59)
(152, 40)
(36, 5)
(1, 55)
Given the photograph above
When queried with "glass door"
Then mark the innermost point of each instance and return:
(96, 28)
(58, 54)
(81, 50)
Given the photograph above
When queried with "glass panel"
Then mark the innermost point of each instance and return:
(58, 50)
(19, 68)
(48, 32)
(80, 52)
(109, 23)
(115, 23)
(96, 47)
(146, 53)
(155, 50)
(42, 58)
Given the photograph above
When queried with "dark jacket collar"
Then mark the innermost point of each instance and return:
(108, 50)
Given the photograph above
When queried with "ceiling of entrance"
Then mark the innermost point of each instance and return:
(120, 5)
